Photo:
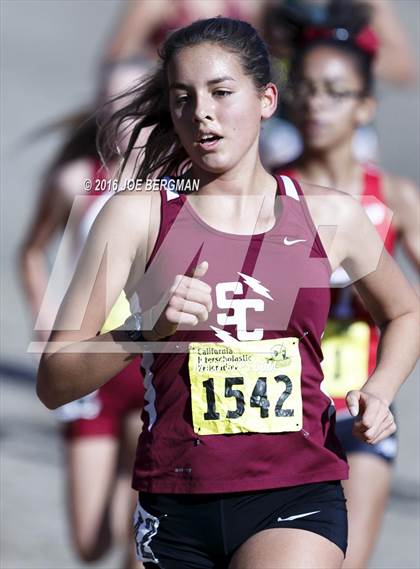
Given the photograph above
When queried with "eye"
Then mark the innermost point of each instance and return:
(337, 95)
(222, 93)
(181, 99)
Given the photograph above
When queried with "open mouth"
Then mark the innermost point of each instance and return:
(315, 126)
(208, 141)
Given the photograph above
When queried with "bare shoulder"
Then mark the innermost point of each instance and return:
(341, 222)
(134, 221)
(133, 212)
(328, 205)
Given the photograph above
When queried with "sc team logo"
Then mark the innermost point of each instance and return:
(225, 293)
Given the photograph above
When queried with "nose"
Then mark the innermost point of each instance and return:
(203, 109)
(316, 101)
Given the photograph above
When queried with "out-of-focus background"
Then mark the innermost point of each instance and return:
(50, 52)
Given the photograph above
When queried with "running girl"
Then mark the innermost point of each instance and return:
(238, 465)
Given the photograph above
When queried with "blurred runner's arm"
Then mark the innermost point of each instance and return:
(395, 60)
(406, 206)
(117, 239)
(51, 215)
(134, 27)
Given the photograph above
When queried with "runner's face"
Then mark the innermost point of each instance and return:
(327, 99)
(211, 95)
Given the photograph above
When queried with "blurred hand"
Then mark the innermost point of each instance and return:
(187, 302)
(374, 420)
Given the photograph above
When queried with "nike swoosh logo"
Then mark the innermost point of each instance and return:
(297, 516)
(288, 241)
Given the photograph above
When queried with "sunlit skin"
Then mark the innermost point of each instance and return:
(334, 105)
(210, 92)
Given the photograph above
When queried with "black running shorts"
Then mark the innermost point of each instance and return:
(203, 531)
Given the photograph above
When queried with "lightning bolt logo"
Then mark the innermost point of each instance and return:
(226, 337)
(256, 286)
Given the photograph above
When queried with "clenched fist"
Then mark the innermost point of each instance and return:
(187, 303)
(374, 420)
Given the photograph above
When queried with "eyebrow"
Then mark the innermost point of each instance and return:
(178, 85)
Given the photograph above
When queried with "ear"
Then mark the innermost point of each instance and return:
(269, 99)
(366, 111)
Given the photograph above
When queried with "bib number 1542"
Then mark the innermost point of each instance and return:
(262, 394)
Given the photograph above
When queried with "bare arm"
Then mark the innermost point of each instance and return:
(50, 217)
(114, 258)
(140, 18)
(137, 20)
(405, 203)
(69, 368)
(391, 302)
(395, 308)
(395, 60)
(393, 305)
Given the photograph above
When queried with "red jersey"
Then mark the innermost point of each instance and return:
(351, 337)
(241, 409)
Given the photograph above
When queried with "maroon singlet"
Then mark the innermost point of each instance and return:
(285, 270)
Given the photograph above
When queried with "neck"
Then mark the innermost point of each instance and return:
(241, 200)
(248, 177)
(336, 167)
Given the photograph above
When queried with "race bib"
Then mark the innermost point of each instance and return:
(251, 387)
(346, 357)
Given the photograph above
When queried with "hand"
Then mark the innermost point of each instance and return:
(374, 420)
(187, 302)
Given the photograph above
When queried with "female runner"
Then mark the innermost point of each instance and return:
(332, 95)
(238, 453)
(100, 430)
